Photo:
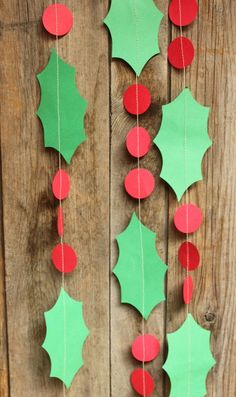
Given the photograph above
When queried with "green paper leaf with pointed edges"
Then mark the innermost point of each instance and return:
(189, 359)
(140, 271)
(65, 337)
(60, 97)
(134, 27)
(183, 140)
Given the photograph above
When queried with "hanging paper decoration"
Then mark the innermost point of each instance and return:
(139, 183)
(188, 218)
(188, 256)
(137, 99)
(142, 382)
(65, 337)
(139, 269)
(64, 258)
(134, 28)
(61, 185)
(145, 348)
(189, 359)
(180, 52)
(188, 290)
(138, 142)
(183, 12)
(57, 19)
(72, 107)
(183, 140)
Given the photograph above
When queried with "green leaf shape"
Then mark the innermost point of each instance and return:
(141, 276)
(60, 93)
(183, 140)
(65, 337)
(189, 359)
(134, 27)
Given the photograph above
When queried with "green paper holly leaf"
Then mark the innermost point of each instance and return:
(134, 27)
(65, 337)
(61, 109)
(189, 359)
(139, 269)
(183, 140)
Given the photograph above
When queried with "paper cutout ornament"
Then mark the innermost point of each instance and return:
(140, 272)
(57, 19)
(142, 382)
(188, 290)
(64, 258)
(145, 348)
(61, 185)
(65, 337)
(138, 142)
(183, 12)
(139, 183)
(183, 140)
(189, 359)
(188, 218)
(71, 106)
(137, 99)
(180, 52)
(188, 256)
(134, 27)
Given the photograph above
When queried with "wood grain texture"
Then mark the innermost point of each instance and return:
(98, 208)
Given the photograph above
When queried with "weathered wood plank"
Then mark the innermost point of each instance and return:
(30, 209)
(126, 323)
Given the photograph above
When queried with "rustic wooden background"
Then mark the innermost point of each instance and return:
(98, 209)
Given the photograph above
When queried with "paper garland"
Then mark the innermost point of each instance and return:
(140, 272)
(189, 359)
(183, 140)
(65, 337)
(72, 107)
(134, 28)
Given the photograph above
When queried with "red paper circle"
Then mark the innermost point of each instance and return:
(180, 55)
(145, 348)
(139, 183)
(138, 142)
(142, 382)
(70, 258)
(137, 99)
(187, 9)
(61, 185)
(189, 256)
(188, 290)
(188, 218)
(60, 221)
(57, 25)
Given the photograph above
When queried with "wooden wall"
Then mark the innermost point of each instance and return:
(98, 208)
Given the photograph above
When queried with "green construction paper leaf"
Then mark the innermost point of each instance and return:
(71, 105)
(189, 359)
(134, 27)
(141, 281)
(183, 140)
(65, 337)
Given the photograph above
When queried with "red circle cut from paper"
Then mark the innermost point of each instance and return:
(189, 256)
(188, 290)
(61, 185)
(66, 252)
(183, 12)
(188, 218)
(139, 183)
(57, 19)
(138, 142)
(145, 348)
(180, 52)
(137, 99)
(142, 382)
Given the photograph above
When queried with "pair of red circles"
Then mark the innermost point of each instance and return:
(181, 50)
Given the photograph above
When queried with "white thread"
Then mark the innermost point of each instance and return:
(187, 195)
(60, 191)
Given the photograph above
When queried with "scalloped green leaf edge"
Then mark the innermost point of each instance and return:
(66, 333)
(72, 107)
(134, 27)
(142, 286)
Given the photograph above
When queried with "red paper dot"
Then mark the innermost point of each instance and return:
(61, 185)
(188, 290)
(139, 183)
(189, 256)
(145, 348)
(187, 9)
(60, 221)
(188, 218)
(64, 251)
(180, 52)
(142, 382)
(137, 99)
(57, 25)
(138, 142)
